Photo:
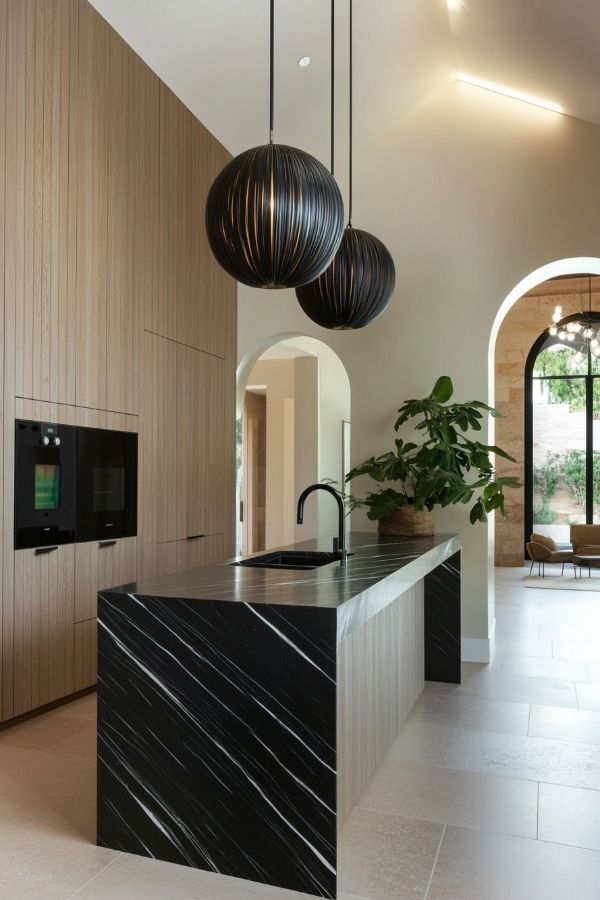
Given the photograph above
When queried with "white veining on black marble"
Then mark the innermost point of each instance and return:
(226, 766)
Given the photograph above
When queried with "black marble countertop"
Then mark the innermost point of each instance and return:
(393, 562)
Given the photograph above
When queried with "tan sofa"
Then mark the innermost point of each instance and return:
(585, 540)
(542, 550)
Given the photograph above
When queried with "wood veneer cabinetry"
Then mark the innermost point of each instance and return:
(101, 564)
(44, 598)
(103, 177)
(189, 432)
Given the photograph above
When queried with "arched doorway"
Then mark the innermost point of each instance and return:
(293, 430)
(562, 428)
(523, 316)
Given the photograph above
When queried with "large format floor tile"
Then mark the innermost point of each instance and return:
(513, 756)
(135, 878)
(42, 732)
(579, 725)
(502, 685)
(486, 802)
(569, 816)
(436, 706)
(386, 857)
(481, 866)
(588, 696)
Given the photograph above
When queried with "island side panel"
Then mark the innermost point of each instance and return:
(380, 676)
(442, 622)
(217, 737)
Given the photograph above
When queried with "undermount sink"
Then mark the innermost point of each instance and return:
(291, 559)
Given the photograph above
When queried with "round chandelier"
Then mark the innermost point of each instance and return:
(582, 332)
(357, 285)
(274, 214)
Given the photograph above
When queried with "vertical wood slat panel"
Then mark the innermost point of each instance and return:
(14, 247)
(380, 674)
(3, 116)
(44, 592)
(91, 170)
(211, 435)
(84, 656)
(98, 567)
(133, 182)
(44, 334)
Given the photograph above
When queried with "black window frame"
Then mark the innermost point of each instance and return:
(544, 340)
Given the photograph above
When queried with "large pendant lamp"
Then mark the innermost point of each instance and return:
(357, 285)
(274, 214)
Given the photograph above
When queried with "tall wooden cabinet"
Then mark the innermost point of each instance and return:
(189, 433)
(114, 315)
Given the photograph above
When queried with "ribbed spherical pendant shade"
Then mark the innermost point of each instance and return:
(274, 217)
(356, 286)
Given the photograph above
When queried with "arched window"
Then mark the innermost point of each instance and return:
(562, 428)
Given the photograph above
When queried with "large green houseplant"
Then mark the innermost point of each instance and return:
(446, 467)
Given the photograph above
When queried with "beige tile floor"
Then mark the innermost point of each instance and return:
(491, 791)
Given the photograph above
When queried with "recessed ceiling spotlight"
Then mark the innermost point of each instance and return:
(454, 4)
(508, 92)
(304, 61)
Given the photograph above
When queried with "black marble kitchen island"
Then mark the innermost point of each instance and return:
(241, 711)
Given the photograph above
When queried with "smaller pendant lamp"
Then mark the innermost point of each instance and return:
(274, 214)
(357, 285)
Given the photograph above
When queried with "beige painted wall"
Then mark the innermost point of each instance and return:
(471, 194)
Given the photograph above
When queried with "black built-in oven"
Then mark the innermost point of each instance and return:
(45, 509)
(106, 484)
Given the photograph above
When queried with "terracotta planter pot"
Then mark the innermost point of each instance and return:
(408, 522)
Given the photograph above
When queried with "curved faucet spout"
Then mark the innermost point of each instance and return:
(341, 544)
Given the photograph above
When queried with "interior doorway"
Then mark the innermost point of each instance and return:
(294, 430)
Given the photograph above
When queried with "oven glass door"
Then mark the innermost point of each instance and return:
(44, 484)
(106, 484)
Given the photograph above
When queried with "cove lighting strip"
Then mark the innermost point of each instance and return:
(507, 92)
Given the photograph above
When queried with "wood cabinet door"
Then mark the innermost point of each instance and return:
(211, 436)
(163, 441)
(40, 253)
(85, 654)
(98, 565)
(44, 594)
(133, 179)
(90, 170)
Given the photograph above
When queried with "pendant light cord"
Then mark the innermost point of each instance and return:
(271, 70)
(332, 86)
(350, 125)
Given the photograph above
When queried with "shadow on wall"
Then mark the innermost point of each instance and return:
(294, 414)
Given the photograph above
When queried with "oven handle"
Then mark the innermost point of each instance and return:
(108, 543)
(39, 550)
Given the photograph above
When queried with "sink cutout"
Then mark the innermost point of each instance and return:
(291, 559)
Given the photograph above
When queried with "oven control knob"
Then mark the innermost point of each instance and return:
(45, 441)
(56, 441)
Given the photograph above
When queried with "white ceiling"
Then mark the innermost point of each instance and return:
(213, 54)
(546, 48)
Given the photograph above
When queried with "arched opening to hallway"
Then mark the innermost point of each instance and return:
(525, 315)
(293, 430)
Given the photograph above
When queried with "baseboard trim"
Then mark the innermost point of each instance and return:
(478, 650)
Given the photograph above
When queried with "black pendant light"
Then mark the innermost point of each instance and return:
(357, 285)
(274, 214)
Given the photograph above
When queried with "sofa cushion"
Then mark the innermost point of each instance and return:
(588, 550)
(544, 540)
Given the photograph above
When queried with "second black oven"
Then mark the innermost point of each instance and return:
(106, 484)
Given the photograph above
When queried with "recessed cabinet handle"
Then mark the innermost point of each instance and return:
(107, 543)
(192, 537)
(39, 550)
